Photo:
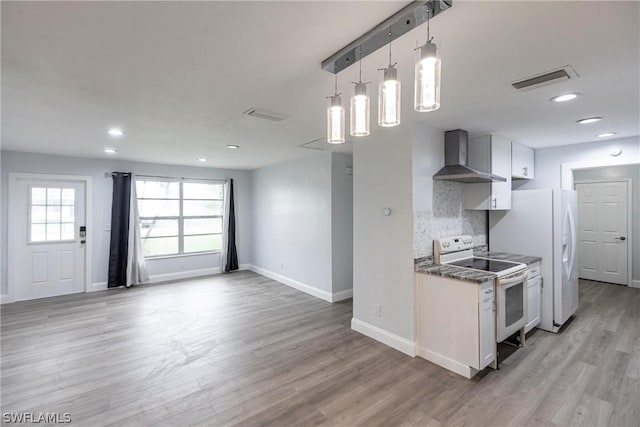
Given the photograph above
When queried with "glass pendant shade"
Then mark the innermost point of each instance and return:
(427, 79)
(389, 99)
(335, 121)
(360, 111)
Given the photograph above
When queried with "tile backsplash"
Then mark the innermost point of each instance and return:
(448, 218)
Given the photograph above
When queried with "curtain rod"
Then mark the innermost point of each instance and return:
(110, 174)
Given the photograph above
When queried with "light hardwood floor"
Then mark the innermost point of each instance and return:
(243, 350)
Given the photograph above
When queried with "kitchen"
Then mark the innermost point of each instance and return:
(470, 261)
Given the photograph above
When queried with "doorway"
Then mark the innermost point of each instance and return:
(48, 222)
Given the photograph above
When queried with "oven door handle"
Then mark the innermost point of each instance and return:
(513, 279)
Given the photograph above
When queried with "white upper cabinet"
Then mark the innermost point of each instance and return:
(489, 153)
(522, 163)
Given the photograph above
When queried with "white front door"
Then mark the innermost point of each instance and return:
(47, 250)
(603, 234)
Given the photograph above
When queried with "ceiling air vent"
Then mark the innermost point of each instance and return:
(265, 114)
(546, 79)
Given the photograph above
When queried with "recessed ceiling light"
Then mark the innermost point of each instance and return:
(115, 132)
(202, 159)
(233, 147)
(564, 98)
(110, 150)
(606, 134)
(589, 120)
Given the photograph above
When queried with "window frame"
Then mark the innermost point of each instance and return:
(180, 218)
(30, 222)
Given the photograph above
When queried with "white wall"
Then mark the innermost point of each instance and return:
(548, 161)
(622, 172)
(291, 220)
(341, 222)
(382, 256)
(102, 193)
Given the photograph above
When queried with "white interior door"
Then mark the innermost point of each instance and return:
(46, 246)
(603, 234)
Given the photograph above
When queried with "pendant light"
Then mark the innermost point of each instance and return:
(427, 77)
(360, 108)
(335, 118)
(389, 95)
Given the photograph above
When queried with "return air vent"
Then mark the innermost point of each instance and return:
(265, 114)
(546, 79)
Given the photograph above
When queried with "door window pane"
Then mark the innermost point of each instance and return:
(53, 232)
(67, 231)
(38, 196)
(68, 197)
(212, 242)
(53, 214)
(53, 196)
(38, 214)
(38, 232)
(67, 213)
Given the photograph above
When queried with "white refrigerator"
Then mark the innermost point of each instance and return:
(543, 223)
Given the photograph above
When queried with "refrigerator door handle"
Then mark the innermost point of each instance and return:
(572, 248)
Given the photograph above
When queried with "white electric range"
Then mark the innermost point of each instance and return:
(510, 282)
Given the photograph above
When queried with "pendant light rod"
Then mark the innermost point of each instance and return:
(403, 21)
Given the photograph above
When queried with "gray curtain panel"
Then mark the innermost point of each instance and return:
(118, 249)
(229, 255)
(126, 258)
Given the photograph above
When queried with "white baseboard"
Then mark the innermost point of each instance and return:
(635, 283)
(307, 289)
(445, 362)
(166, 277)
(392, 340)
(342, 295)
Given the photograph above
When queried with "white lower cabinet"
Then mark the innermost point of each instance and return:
(455, 323)
(534, 295)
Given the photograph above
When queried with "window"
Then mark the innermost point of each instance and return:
(52, 214)
(179, 216)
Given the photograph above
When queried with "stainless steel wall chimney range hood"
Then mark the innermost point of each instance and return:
(456, 143)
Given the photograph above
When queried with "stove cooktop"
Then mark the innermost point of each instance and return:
(484, 264)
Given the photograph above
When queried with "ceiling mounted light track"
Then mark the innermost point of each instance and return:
(403, 21)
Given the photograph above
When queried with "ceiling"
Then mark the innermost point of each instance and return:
(177, 76)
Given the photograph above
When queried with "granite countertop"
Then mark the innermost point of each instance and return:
(427, 266)
(524, 259)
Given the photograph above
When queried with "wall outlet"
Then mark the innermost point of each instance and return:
(378, 311)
